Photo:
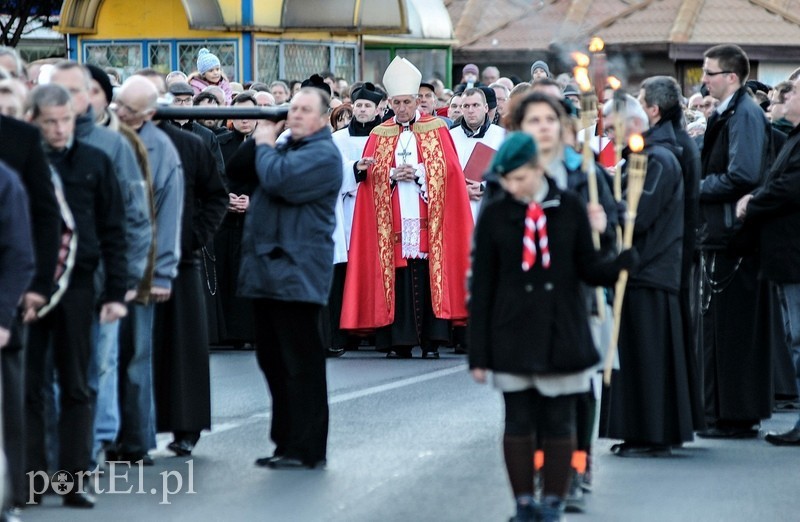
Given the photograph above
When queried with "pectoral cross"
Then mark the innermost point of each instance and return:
(404, 155)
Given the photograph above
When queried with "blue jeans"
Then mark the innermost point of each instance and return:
(790, 309)
(137, 433)
(103, 382)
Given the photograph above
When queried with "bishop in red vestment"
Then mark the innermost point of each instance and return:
(409, 249)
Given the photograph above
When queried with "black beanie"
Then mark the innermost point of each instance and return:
(101, 77)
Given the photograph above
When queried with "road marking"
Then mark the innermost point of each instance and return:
(222, 427)
(349, 396)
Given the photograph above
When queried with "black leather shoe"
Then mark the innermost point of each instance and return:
(728, 433)
(292, 463)
(265, 461)
(331, 353)
(131, 458)
(789, 438)
(79, 499)
(181, 448)
(399, 353)
(431, 353)
(628, 450)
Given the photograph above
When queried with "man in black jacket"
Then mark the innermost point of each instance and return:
(774, 209)
(16, 271)
(660, 97)
(736, 152)
(649, 404)
(26, 157)
(92, 191)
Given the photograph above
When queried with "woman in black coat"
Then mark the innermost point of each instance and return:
(528, 320)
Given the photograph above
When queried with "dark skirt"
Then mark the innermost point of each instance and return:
(230, 318)
(650, 400)
(180, 356)
(414, 323)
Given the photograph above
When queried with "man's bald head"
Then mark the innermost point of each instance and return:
(136, 101)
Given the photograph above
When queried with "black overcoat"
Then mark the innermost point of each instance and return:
(533, 322)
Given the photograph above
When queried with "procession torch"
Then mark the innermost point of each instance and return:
(596, 46)
(619, 142)
(636, 175)
(588, 113)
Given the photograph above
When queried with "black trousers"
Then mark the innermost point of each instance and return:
(291, 354)
(12, 364)
(67, 331)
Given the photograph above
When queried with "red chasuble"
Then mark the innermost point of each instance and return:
(375, 244)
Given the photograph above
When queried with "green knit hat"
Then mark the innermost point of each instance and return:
(517, 150)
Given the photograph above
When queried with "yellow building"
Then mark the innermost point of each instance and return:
(261, 40)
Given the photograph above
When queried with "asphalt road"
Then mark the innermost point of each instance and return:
(417, 440)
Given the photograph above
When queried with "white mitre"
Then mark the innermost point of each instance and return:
(401, 78)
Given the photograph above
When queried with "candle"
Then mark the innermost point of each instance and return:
(599, 70)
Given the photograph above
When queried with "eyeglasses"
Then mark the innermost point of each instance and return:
(133, 112)
(707, 73)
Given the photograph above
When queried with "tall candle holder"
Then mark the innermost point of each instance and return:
(588, 113)
(637, 171)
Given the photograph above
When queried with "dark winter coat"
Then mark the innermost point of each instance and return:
(95, 199)
(775, 209)
(533, 322)
(658, 231)
(16, 247)
(205, 196)
(737, 150)
(287, 247)
(21, 149)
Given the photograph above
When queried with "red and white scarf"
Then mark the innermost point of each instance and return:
(535, 224)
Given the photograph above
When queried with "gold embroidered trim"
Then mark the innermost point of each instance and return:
(386, 130)
(436, 172)
(427, 126)
(382, 194)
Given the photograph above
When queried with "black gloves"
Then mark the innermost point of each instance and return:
(628, 259)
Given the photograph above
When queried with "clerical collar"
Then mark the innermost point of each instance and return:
(357, 128)
(407, 125)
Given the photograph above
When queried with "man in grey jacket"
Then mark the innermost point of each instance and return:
(287, 267)
(138, 235)
(136, 104)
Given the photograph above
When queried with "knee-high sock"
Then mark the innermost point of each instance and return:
(557, 469)
(518, 453)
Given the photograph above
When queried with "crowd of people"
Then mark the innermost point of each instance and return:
(397, 214)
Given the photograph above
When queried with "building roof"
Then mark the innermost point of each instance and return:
(510, 25)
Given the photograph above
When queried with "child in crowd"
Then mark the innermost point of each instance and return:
(209, 72)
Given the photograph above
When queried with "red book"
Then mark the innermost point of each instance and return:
(478, 162)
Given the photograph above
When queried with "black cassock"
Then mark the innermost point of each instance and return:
(230, 317)
(650, 395)
(180, 336)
